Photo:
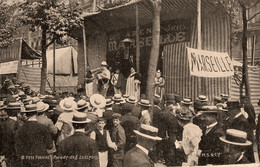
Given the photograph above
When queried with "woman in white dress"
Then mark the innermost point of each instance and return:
(133, 85)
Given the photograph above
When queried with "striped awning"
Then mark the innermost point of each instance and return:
(124, 16)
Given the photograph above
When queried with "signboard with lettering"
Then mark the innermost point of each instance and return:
(174, 31)
(8, 67)
(209, 64)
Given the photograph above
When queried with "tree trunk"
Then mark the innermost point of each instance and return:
(245, 79)
(44, 62)
(154, 48)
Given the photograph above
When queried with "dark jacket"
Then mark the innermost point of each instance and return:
(212, 147)
(118, 136)
(137, 158)
(81, 150)
(249, 108)
(33, 140)
(136, 111)
(156, 119)
(8, 127)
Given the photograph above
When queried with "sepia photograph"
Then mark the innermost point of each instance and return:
(129, 83)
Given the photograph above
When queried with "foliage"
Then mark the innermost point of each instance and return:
(7, 24)
(57, 18)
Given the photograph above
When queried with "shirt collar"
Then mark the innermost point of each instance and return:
(142, 148)
(80, 130)
(32, 119)
(13, 118)
(241, 156)
(212, 125)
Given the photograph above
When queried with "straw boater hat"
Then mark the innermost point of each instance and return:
(41, 107)
(68, 104)
(109, 102)
(186, 101)
(80, 118)
(27, 100)
(125, 96)
(97, 101)
(35, 100)
(202, 98)
(148, 131)
(2, 106)
(30, 108)
(103, 63)
(236, 137)
(224, 96)
(208, 112)
(131, 100)
(144, 102)
(13, 106)
(82, 104)
(117, 98)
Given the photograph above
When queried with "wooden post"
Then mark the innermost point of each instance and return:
(137, 39)
(54, 47)
(253, 50)
(19, 60)
(85, 47)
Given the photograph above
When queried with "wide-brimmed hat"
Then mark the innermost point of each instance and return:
(13, 105)
(224, 96)
(184, 114)
(236, 137)
(148, 131)
(109, 102)
(82, 104)
(202, 98)
(186, 101)
(80, 118)
(35, 100)
(30, 108)
(97, 101)
(117, 98)
(144, 102)
(41, 107)
(103, 63)
(68, 104)
(131, 100)
(27, 100)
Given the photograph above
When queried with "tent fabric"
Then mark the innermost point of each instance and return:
(65, 61)
(28, 53)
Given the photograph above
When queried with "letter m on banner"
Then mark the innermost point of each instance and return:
(210, 64)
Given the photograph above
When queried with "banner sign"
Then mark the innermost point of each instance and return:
(8, 67)
(209, 64)
(173, 31)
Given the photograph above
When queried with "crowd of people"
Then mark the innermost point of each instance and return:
(66, 129)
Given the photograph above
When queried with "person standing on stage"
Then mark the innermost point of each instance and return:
(103, 79)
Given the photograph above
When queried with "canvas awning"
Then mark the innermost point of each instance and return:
(123, 16)
(28, 52)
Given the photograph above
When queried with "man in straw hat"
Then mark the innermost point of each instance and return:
(235, 146)
(8, 128)
(210, 145)
(33, 140)
(81, 149)
(146, 139)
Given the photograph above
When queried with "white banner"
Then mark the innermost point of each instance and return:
(209, 64)
(8, 67)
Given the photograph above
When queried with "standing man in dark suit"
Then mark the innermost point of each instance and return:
(212, 149)
(81, 150)
(33, 141)
(146, 139)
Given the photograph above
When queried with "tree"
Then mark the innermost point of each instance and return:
(7, 23)
(156, 7)
(232, 7)
(56, 21)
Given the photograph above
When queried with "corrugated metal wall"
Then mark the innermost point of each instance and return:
(215, 37)
(254, 81)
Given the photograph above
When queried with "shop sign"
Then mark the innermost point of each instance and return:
(8, 67)
(174, 31)
(209, 64)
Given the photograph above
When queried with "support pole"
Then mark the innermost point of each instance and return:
(85, 47)
(54, 47)
(137, 39)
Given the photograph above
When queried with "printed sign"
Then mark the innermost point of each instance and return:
(8, 67)
(173, 31)
(209, 64)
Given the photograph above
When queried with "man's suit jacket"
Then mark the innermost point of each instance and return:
(156, 118)
(42, 119)
(137, 158)
(81, 150)
(34, 139)
(136, 111)
(212, 147)
(129, 123)
(249, 108)
(8, 128)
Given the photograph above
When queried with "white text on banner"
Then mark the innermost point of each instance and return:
(209, 64)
